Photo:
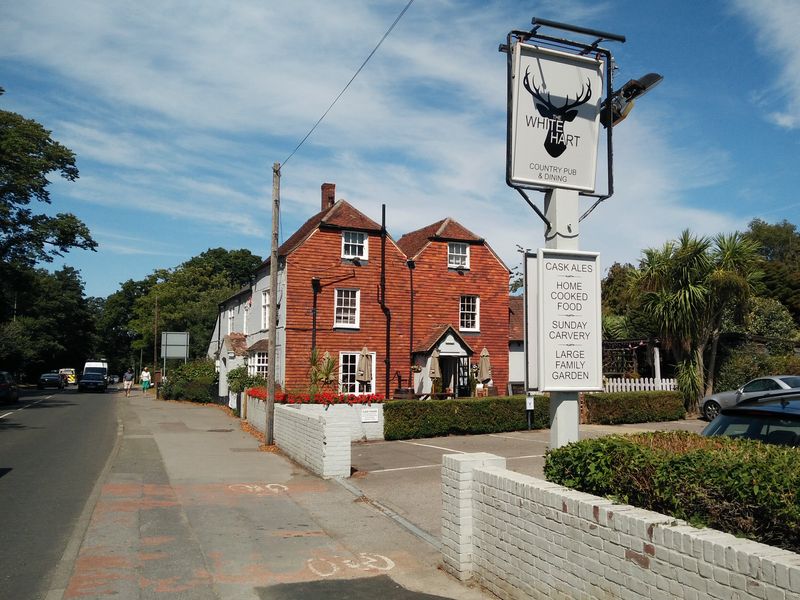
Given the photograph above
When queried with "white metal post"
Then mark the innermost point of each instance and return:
(561, 209)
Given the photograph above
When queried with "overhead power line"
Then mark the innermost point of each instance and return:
(366, 60)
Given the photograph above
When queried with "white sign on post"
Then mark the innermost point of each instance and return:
(530, 279)
(555, 119)
(570, 345)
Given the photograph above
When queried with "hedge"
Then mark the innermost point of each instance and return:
(748, 362)
(633, 407)
(742, 487)
(194, 381)
(407, 419)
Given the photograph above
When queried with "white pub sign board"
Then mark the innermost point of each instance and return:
(570, 345)
(555, 118)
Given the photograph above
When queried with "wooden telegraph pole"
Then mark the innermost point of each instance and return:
(273, 304)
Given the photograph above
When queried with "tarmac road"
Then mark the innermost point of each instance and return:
(53, 447)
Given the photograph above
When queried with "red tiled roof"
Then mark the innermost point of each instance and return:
(436, 333)
(446, 229)
(261, 345)
(342, 215)
(516, 319)
(236, 342)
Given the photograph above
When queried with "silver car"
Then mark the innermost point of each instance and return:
(761, 386)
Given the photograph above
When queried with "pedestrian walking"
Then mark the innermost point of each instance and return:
(127, 381)
(145, 379)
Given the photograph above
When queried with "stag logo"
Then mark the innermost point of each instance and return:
(554, 117)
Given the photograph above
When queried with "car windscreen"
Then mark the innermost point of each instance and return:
(765, 428)
(93, 377)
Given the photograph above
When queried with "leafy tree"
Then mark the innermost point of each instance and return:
(115, 336)
(27, 155)
(188, 297)
(617, 294)
(767, 318)
(53, 325)
(686, 286)
(780, 247)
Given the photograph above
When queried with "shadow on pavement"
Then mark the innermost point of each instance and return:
(381, 587)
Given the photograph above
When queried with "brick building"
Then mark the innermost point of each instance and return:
(344, 285)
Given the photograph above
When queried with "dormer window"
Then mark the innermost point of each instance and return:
(457, 255)
(355, 244)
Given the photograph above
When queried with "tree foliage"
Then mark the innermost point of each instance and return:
(53, 325)
(686, 286)
(188, 297)
(780, 247)
(27, 156)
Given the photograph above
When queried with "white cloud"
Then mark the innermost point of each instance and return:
(775, 23)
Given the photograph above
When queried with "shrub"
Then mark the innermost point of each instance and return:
(406, 419)
(741, 487)
(633, 407)
(748, 362)
(194, 381)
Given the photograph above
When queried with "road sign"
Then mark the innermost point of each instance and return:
(175, 344)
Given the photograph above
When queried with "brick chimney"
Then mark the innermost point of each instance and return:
(328, 195)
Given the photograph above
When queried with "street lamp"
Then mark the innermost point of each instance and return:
(617, 107)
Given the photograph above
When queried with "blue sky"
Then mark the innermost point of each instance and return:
(176, 111)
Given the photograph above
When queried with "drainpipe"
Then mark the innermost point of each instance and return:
(316, 288)
(386, 311)
(410, 264)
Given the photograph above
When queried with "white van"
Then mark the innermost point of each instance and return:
(97, 366)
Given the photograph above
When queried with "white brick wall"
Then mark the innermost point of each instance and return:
(256, 415)
(320, 444)
(523, 537)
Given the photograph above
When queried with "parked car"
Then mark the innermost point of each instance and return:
(761, 387)
(92, 381)
(54, 379)
(9, 392)
(772, 419)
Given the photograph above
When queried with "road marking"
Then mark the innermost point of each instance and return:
(24, 407)
(404, 468)
(430, 446)
(528, 456)
(517, 438)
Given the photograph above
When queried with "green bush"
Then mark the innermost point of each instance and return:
(194, 381)
(633, 407)
(239, 380)
(748, 362)
(406, 419)
(741, 487)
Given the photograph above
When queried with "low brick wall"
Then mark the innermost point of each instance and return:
(320, 443)
(523, 537)
(359, 430)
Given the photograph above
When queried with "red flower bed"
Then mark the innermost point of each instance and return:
(325, 398)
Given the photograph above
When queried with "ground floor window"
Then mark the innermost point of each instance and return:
(348, 369)
(258, 364)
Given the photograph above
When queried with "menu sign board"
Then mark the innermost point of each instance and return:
(570, 351)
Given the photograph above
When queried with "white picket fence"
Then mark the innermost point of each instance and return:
(644, 384)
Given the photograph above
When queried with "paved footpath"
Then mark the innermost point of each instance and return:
(190, 508)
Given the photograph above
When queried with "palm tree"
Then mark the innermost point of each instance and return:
(685, 287)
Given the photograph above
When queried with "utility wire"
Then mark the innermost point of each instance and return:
(375, 49)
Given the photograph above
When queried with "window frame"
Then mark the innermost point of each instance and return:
(257, 362)
(357, 384)
(364, 245)
(231, 320)
(451, 254)
(264, 310)
(462, 312)
(336, 323)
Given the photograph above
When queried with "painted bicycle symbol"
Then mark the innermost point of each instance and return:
(365, 561)
(258, 489)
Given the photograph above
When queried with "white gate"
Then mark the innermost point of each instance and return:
(643, 384)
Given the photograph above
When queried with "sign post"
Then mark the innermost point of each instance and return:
(555, 94)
